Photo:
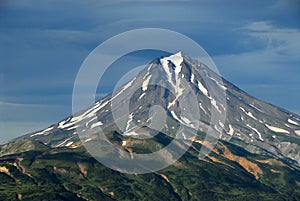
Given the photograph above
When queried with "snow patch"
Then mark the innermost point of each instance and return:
(72, 127)
(249, 114)
(256, 108)
(89, 139)
(217, 82)
(131, 133)
(99, 123)
(129, 121)
(223, 107)
(185, 120)
(192, 78)
(146, 74)
(46, 131)
(287, 125)
(62, 143)
(176, 117)
(256, 131)
(293, 122)
(214, 103)
(231, 131)
(145, 83)
(141, 96)
(203, 89)
(68, 144)
(297, 132)
(200, 105)
(276, 129)
(72, 122)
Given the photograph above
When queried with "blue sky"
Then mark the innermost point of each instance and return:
(255, 45)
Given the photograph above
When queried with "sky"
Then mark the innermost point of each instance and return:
(254, 44)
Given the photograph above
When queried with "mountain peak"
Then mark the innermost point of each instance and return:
(165, 82)
(180, 53)
(175, 60)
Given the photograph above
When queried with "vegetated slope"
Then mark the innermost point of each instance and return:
(228, 173)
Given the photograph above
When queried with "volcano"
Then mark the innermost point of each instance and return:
(255, 125)
(250, 148)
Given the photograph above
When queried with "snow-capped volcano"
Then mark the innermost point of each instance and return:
(183, 91)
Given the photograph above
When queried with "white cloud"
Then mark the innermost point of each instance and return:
(274, 63)
(279, 40)
(280, 50)
(12, 104)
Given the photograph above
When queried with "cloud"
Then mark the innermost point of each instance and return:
(270, 72)
(11, 104)
(281, 41)
(278, 52)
